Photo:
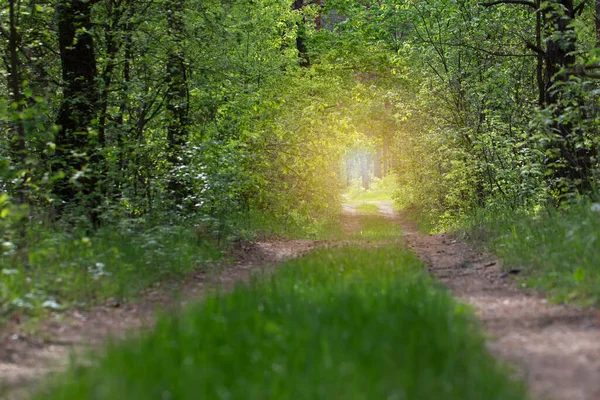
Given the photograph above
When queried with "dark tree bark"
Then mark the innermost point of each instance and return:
(319, 17)
(18, 139)
(77, 147)
(177, 104)
(112, 48)
(300, 37)
(570, 164)
(597, 18)
(540, 56)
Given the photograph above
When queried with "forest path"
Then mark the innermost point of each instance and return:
(26, 359)
(555, 348)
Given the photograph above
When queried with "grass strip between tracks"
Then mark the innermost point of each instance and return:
(339, 323)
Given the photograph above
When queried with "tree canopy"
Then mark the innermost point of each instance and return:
(117, 109)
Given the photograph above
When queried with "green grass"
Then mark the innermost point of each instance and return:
(260, 225)
(558, 251)
(55, 271)
(377, 229)
(367, 209)
(381, 189)
(346, 323)
(52, 270)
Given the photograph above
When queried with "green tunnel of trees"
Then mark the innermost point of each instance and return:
(115, 109)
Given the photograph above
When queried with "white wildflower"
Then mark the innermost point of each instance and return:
(52, 304)
(10, 271)
(18, 302)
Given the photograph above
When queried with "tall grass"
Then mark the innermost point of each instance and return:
(54, 270)
(558, 250)
(367, 209)
(377, 229)
(350, 323)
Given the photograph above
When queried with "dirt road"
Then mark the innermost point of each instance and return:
(556, 349)
(27, 358)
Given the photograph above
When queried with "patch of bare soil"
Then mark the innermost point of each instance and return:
(28, 358)
(555, 348)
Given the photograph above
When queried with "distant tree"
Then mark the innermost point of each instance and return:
(78, 148)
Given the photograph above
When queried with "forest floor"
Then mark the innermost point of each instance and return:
(556, 349)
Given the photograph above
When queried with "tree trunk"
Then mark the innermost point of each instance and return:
(300, 36)
(319, 17)
(18, 140)
(77, 147)
(112, 48)
(377, 167)
(349, 165)
(570, 165)
(177, 104)
(365, 170)
(386, 156)
(597, 17)
(540, 57)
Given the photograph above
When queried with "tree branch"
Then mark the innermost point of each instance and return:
(583, 71)
(535, 48)
(522, 2)
(579, 9)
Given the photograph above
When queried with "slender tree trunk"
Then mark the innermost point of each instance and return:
(177, 105)
(377, 169)
(365, 170)
(386, 156)
(540, 57)
(300, 36)
(319, 17)
(112, 48)
(349, 164)
(77, 147)
(18, 139)
(597, 18)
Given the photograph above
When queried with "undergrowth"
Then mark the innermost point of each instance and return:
(255, 224)
(557, 250)
(52, 269)
(346, 323)
(380, 189)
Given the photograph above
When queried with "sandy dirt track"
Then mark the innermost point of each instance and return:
(555, 348)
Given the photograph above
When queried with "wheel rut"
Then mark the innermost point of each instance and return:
(26, 359)
(554, 348)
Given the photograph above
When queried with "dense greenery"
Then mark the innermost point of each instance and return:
(339, 323)
(212, 115)
(557, 250)
(177, 116)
